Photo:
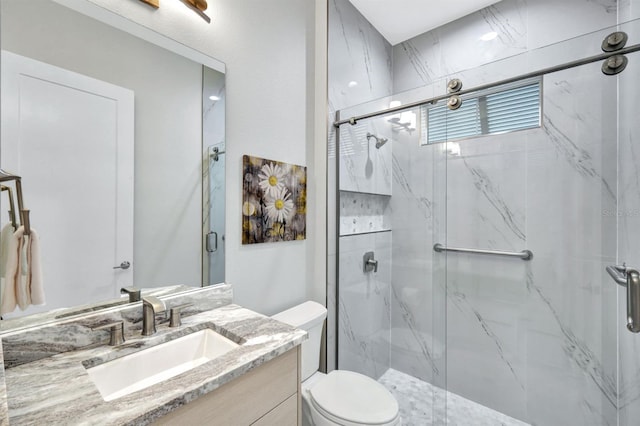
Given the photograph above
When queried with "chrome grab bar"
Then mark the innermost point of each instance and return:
(629, 278)
(524, 254)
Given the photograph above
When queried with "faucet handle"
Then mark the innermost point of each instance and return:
(117, 332)
(174, 314)
(134, 293)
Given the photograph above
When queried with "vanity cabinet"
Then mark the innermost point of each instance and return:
(268, 395)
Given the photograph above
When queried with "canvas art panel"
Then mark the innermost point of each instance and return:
(274, 201)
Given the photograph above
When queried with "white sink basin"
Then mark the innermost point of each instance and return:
(139, 370)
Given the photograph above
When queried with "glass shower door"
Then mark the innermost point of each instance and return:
(536, 341)
(390, 194)
(546, 165)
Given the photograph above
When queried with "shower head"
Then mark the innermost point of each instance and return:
(379, 141)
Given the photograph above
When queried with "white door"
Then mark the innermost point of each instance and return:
(71, 139)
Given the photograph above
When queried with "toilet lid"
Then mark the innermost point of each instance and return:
(355, 398)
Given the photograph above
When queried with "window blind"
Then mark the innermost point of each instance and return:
(505, 110)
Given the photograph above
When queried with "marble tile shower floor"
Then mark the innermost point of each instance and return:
(422, 404)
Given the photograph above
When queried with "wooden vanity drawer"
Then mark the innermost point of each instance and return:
(285, 414)
(246, 399)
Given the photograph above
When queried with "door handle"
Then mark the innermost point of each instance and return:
(208, 242)
(123, 265)
(633, 300)
(629, 278)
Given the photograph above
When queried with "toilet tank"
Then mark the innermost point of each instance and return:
(308, 316)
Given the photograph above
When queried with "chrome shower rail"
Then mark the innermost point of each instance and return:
(602, 56)
(524, 254)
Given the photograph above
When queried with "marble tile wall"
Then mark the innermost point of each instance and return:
(363, 167)
(364, 320)
(359, 70)
(628, 10)
(521, 26)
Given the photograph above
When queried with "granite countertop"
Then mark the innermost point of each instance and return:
(57, 389)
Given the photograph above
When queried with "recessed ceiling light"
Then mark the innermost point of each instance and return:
(489, 36)
(214, 98)
(352, 84)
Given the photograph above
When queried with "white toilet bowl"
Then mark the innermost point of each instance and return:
(341, 397)
(348, 399)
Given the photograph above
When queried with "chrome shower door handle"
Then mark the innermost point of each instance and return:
(208, 242)
(629, 278)
(633, 300)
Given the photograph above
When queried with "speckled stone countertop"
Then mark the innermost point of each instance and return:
(57, 389)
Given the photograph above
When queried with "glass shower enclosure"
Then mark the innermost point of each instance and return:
(476, 219)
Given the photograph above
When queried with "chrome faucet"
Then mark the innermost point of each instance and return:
(151, 306)
(134, 293)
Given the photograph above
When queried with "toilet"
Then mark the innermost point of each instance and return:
(341, 397)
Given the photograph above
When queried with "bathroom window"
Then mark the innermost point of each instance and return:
(499, 110)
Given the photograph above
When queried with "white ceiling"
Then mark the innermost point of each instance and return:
(400, 20)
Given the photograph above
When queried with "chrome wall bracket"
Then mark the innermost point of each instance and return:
(612, 43)
(630, 279)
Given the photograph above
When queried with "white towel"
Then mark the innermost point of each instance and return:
(13, 273)
(5, 236)
(23, 285)
(34, 281)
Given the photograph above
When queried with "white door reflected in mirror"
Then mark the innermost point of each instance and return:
(71, 139)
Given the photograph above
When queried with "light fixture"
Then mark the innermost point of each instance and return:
(198, 6)
(214, 98)
(489, 36)
(154, 3)
(352, 84)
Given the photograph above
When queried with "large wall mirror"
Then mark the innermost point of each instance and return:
(120, 145)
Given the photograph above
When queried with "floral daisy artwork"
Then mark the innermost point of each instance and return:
(274, 201)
